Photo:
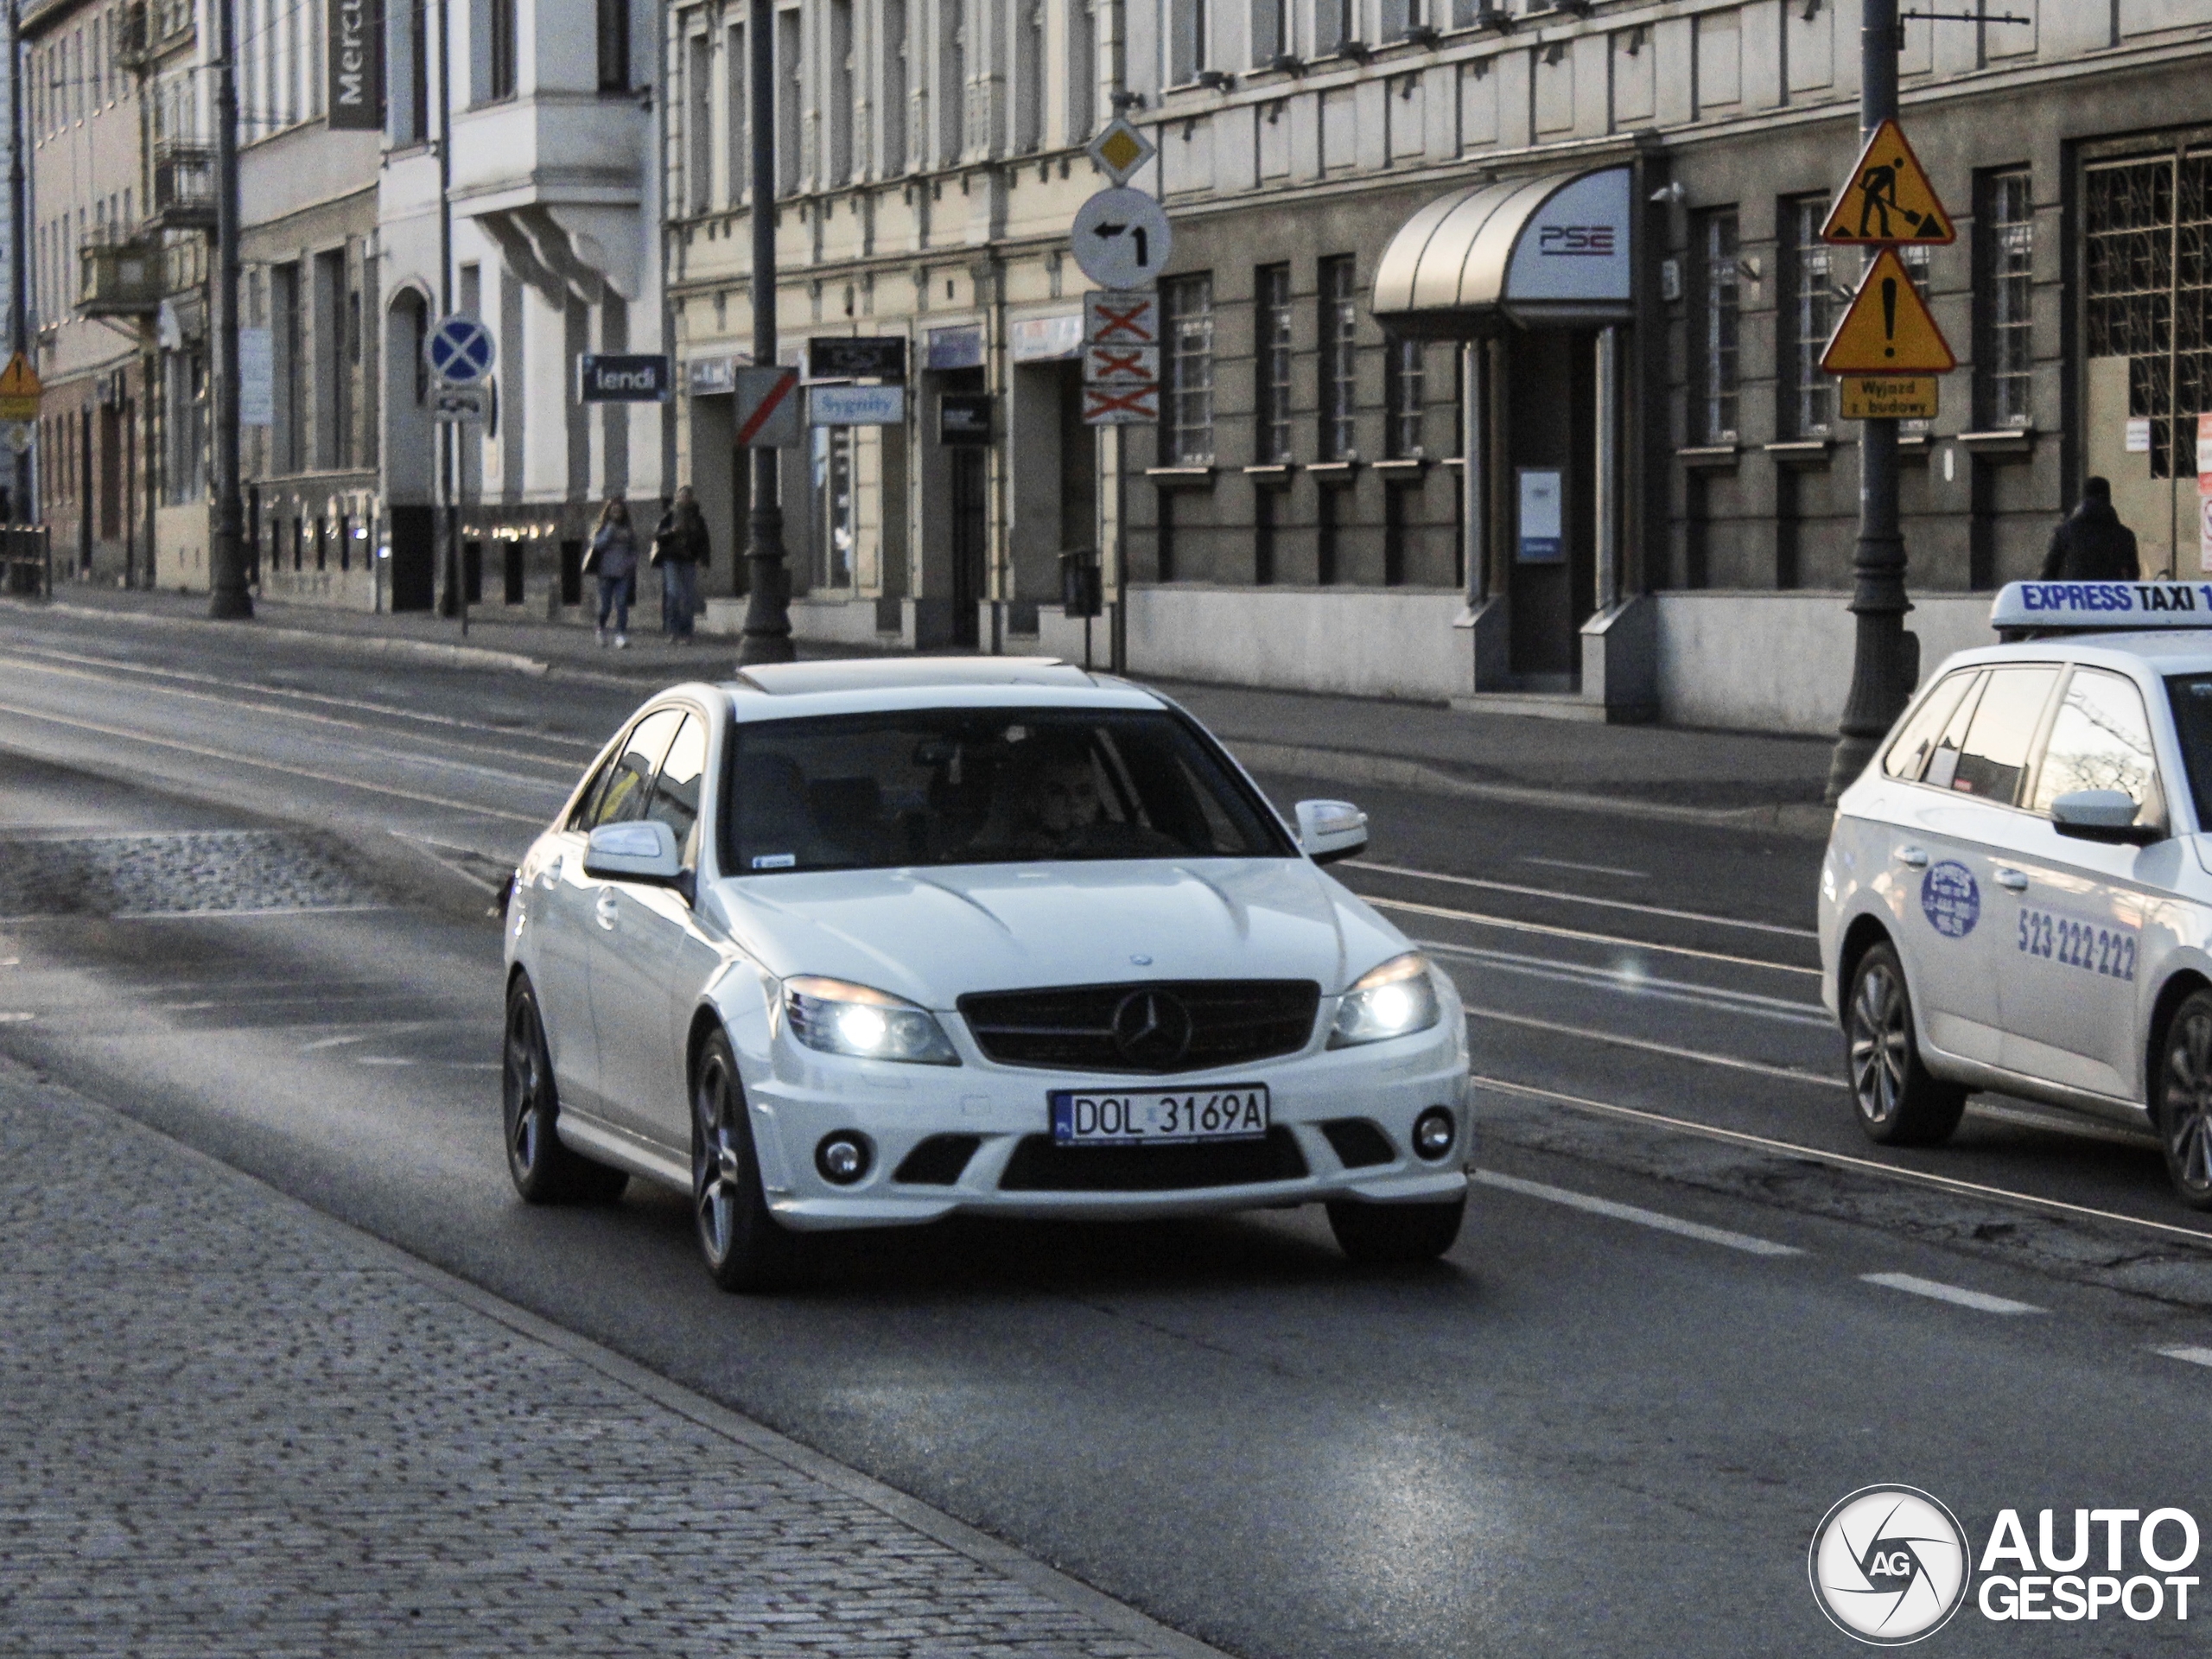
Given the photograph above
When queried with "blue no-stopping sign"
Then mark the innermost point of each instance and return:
(460, 350)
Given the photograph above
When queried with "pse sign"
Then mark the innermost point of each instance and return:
(1577, 241)
(624, 379)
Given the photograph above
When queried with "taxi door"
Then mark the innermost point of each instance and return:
(649, 960)
(2079, 908)
(1954, 910)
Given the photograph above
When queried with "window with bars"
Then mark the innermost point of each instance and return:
(1339, 358)
(1722, 292)
(1404, 369)
(2149, 292)
(1808, 390)
(2008, 254)
(1186, 405)
(1271, 364)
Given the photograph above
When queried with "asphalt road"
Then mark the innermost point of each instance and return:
(1607, 1425)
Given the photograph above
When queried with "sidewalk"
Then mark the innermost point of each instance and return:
(237, 1427)
(1743, 779)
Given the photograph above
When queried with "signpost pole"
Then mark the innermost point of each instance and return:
(19, 498)
(228, 599)
(1885, 662)
(768, 614)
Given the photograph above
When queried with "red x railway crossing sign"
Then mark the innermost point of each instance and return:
(1121, 357)
(1121, 405)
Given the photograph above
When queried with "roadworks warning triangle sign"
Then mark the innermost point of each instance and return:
(1887, 330)
(1888, 198)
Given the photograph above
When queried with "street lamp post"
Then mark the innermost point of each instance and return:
(1886, 660)
(768, 613)
(19, 500)
(228, 599)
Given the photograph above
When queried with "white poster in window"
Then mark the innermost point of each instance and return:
(1543, 516)
(257, 378)
(2138, 436)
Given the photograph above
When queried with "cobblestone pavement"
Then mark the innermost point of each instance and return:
(183, 872)
(233, 1427)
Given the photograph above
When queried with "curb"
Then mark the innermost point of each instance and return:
(990, 1553)
(1796, 818)
(369, 644)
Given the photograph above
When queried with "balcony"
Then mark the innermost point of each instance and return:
(121, 279)
(184, 186)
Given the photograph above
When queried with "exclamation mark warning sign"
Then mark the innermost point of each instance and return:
(1887, 330)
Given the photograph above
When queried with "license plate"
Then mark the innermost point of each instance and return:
(1131, 1117)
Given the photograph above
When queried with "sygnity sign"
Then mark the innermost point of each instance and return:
(356, 66)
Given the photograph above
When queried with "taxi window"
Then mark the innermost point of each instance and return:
(2192, 696)
(675, 789)
(1995, 753)
(1914, 744)
(618, 794)
(2100, 738)
(1945, 760)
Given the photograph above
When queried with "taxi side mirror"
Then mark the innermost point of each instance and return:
(1329, 830)
(643, 849)
(2106, 815)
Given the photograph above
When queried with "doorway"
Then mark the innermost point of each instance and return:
(970, 539)
(1548, 485)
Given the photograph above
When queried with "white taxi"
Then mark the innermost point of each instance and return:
(869, 943)
(2017, 893)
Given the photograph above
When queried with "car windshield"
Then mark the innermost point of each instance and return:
(2191, 694)
(984, 786)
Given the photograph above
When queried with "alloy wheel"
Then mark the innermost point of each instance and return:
(1879, 1044)
(525, 1082)
(2187, 1119)
(717, 1161)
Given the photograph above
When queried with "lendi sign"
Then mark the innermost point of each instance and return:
(356, 66)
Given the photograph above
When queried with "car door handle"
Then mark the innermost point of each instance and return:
(2012, 880)
(605, 910)
(1913, 857)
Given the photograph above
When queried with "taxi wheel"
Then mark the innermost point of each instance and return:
(1394, 1235)
(745, 1247)
(2185, 1100)
(1899, 1103)
(543, 1170)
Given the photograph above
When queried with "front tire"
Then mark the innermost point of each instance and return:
(1899, 1102)
(543, 1170)
(1395, 1235)
(2182, 1100)
(745, 1247)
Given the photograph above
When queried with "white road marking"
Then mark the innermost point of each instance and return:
(1582, 899)
(1956, 1294)
(1593, 869)
(1836, 1160)
(14, 1019)
(1791, 1073)
(381, 1059)
(1628, 982)
(2194, 1355)
(1664, 1223)
(1479, 920)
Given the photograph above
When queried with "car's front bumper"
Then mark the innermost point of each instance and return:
(896, 1107)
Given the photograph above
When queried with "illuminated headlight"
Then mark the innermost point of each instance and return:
(1396, 1000)
(838, 1018)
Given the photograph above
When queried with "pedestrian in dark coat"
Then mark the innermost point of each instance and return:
(612, 557)
(2091, 544)
(681, 548)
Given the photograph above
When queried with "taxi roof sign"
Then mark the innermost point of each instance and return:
(1889, 198)
(2074, 606)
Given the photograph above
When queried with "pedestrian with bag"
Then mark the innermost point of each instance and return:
(613, 559)
(2090, 543)
(681, 548)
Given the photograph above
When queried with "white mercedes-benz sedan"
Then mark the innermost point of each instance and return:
(869, 944)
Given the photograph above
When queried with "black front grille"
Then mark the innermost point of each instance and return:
(1040, 1164)
(938, 1160)
(1071, 1028)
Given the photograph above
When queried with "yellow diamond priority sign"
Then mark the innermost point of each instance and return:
(1888, 330)
(20, 390)
(1121, 149)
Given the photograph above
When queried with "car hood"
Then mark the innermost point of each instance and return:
(934, 935)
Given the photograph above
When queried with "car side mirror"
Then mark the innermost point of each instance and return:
(1329, 830)
(644, 850)
(2106, 815)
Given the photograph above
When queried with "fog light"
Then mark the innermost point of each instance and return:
(843, 1157)
(1433, 1133)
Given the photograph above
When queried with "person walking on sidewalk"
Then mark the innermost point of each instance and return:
(681, 548)
(2090, 543)
(614, 560)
